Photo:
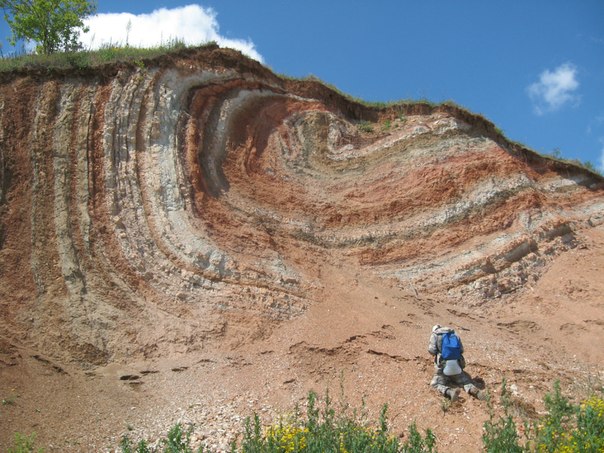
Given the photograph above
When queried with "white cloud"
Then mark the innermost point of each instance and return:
(555, 89)
(192, 24)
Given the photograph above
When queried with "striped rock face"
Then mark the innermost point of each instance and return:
(152, 210)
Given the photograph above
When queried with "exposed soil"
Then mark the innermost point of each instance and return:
(201, 239)
(365, 333)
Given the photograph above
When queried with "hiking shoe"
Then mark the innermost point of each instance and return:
(481, 395)
(478, 394)
(453, 394)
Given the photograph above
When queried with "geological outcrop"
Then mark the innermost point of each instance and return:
(152, 209)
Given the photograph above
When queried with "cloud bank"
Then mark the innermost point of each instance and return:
(555, 89)
(191, 24)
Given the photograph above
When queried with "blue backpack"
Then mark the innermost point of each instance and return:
(451, 346)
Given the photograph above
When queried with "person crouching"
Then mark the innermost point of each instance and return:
(449, 375)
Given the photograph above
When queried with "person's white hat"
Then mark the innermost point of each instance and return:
(435, 327)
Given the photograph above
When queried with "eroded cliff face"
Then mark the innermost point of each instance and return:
(148, 211)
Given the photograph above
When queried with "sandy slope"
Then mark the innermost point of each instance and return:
(366, 336)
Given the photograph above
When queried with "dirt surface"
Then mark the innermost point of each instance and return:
(199, 240)
(366, 335)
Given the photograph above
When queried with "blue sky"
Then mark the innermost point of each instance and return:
(534, 68)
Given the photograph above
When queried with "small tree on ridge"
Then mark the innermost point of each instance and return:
(52, 24)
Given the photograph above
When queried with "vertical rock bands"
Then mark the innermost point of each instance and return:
(161, 206)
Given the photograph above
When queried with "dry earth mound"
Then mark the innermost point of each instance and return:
(202, 233)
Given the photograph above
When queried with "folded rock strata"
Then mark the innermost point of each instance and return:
(148, 210)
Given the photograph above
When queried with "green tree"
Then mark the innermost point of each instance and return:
(53, 24)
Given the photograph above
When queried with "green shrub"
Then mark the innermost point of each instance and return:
(591, 167)
(24, 444)
(365, 126)
(589, 433)
(176, 441)
(500, 434)
(127, 447)
(325, 431)
(552, 429)
(417, 443)
(565, 428)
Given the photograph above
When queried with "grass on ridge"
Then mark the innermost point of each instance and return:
(116, 53)
(92, 58)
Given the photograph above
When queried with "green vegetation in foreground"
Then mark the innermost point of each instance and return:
(24, 444)
(320, 431)
(565, 428)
